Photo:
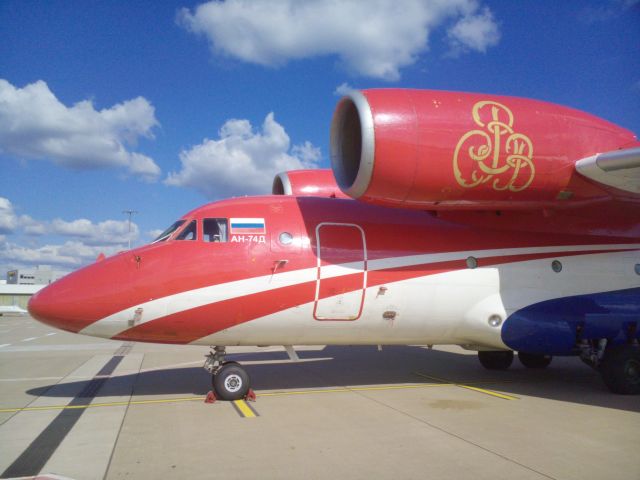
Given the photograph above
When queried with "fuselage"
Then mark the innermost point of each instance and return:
(304, 270)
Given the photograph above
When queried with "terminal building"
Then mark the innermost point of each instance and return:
(41, 275)
(17, 295)
(22, 283)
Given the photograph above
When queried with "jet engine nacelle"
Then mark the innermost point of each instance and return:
(307, 183)
(448, 150)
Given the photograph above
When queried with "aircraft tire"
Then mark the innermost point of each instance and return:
(534, 360)
(620, 369)
(498, 360)
(231, 382)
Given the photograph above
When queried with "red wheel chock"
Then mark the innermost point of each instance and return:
(211, 397)
(250, 396)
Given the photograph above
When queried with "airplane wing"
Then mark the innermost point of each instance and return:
(619, 169)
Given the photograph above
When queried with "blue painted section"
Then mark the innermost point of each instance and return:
(552, 327)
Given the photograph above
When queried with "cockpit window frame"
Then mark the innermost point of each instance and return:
(190, 227)
(221, 224)
(175, 226)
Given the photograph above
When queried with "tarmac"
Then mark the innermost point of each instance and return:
(85, 408)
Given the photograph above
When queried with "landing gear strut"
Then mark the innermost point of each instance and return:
(229, 380)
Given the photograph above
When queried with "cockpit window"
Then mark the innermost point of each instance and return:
(215, 229)
(167, 233)
(189, 232)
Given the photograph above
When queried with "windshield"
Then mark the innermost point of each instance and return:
(167, 233)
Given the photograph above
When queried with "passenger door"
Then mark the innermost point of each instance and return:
(342, 271)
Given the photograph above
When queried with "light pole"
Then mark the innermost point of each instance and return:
(130, 213)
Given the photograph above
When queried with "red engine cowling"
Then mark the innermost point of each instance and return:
(450, 150)
(308, 183)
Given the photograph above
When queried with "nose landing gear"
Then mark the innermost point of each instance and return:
(229, 380)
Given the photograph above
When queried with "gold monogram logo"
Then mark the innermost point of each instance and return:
(477, 158)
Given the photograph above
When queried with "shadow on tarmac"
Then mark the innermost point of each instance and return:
(566, 379)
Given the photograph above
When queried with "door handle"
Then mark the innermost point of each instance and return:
(279, 264)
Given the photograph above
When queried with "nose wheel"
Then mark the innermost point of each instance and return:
(229, 380)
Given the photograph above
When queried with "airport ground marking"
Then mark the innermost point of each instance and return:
(468, 387)
(103, 404)
(347, 390)
(193, 399)
(283, 393)
(244, 409)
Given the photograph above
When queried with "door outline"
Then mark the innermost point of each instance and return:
(319, 269)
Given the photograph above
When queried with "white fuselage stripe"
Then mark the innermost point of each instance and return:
(152, 310)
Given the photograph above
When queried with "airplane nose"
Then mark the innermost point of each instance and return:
(62, 305)
(48, 306)
(84, 296)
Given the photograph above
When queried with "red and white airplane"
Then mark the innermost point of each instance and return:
(495, 223)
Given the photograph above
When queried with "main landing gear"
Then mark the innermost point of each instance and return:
(619, 365)
(501, 360)
(229, 380)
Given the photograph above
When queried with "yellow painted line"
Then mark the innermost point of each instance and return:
(91, 405)
(348, 389)
(244, 409)
(469, 387)
(192, 399)
(442, 383)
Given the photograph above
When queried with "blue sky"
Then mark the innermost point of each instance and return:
(162, 106)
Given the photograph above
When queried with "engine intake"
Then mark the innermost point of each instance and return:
(308, 183)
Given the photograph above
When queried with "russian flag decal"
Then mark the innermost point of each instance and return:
(247, 226)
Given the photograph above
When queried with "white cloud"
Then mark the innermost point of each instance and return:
(343, 89)
(474, 32)
(606, 11)
(35, 124)
(374, 38)
(8, 218)
(153, 234)
(109, 232)
(82, 240)
(31, 226)
(71, 254)
(241, 161)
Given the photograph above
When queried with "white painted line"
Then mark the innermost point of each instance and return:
(29, 339)
(19, 431)
(52, 333)
(5, 345)
(96, 454)
(62, 348)
(32, 379)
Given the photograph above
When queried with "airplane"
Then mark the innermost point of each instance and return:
(12, 310)
(499, 224)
